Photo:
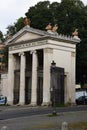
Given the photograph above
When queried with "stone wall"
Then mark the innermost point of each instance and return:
(4, 84)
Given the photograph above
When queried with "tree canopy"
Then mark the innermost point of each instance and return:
(1, 36)
(69, 14)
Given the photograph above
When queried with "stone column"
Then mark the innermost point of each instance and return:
(34, 79)
(11, 67)
(46, 75)
(22, 79)
(70, 96)
(73, 72)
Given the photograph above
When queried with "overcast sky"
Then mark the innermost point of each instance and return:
(11, 10)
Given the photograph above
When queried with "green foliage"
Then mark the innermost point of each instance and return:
(19, 24)
(5, 57)
(11, 30)
(53, 115)
(40, 15)
(1, 36)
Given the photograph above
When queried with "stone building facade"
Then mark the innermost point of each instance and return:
(31, 78)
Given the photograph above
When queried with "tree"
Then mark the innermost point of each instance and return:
(40, 15)
(11, 30)
(1, 36)
(19, 24)
(5, 56)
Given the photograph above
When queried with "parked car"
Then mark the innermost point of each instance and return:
(81, 100)
(3, 100)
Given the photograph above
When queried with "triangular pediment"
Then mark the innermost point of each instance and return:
(24, 35)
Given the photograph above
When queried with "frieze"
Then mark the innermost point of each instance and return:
(48, 50)
(27, 45)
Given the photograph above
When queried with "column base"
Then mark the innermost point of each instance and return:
(70, 103)
(46, 104)
(73, 104)
(32, 104)
(21, 104)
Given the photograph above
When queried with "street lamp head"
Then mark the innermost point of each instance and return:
(53, 64)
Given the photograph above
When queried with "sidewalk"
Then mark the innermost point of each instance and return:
(15, 107)
(19, 107)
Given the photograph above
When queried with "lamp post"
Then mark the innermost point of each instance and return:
(53, 65)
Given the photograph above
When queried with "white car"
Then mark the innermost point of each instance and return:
(3, 100)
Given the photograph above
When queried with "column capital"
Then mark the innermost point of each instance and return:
(33, 51)
(10, 55)
(73, 54)
(21, 53)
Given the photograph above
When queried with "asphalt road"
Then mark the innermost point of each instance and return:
(25, 111)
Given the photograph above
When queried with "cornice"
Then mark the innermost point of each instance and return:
(44, 34)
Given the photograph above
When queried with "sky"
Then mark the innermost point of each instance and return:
(11, 10)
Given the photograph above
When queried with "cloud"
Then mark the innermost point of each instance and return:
(10, 11)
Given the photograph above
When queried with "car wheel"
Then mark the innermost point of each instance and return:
(77, 103)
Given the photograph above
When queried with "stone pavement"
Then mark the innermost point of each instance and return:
(16, 107)
(44, 122)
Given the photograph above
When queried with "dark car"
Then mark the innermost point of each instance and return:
(81, 100)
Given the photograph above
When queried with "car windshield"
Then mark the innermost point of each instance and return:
(1, 98)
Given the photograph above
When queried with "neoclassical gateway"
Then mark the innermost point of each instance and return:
(41, 68)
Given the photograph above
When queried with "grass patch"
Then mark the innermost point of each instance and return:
(53, 114)
(71, 126)
(78, 126)
(4, 105)
(62, 105)
(42, 126)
